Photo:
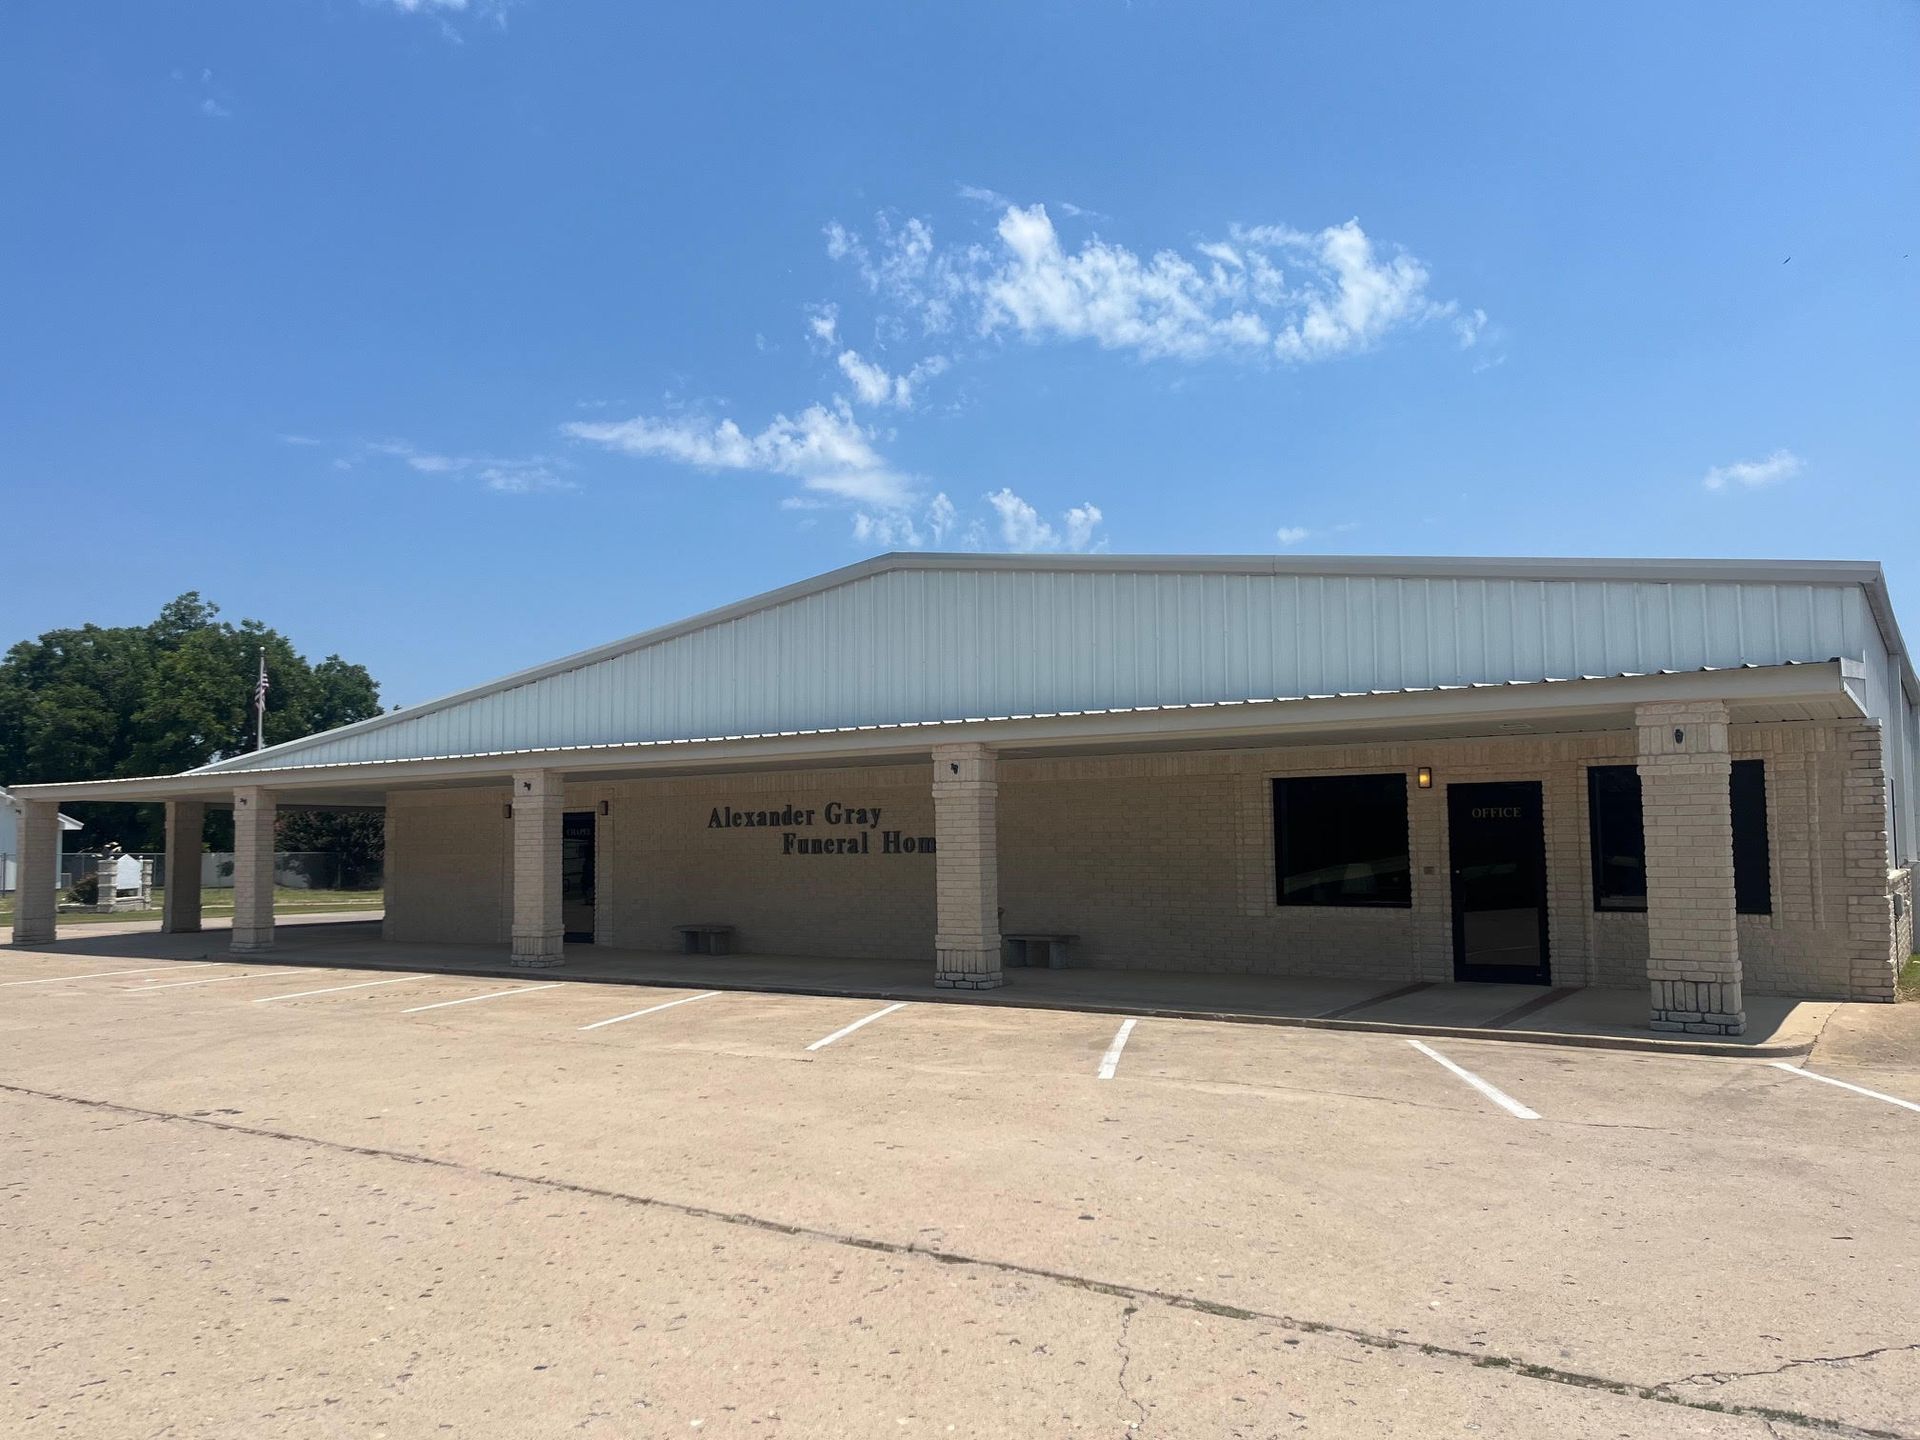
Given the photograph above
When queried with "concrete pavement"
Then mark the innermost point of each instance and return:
(248, 1204)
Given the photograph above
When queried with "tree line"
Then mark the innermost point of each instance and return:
(104, 702)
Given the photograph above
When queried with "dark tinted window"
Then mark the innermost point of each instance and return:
(1342, 840)
(1619, 842)
(1752, 875)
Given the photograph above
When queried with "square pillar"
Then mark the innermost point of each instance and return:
(538, 799)
(180, 907)
(967, 868)
(36, 901)
(254, 814)
(1693, 942)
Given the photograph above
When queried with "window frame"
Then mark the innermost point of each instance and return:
(1281, 798)
(1605, 901)
(1751, 834)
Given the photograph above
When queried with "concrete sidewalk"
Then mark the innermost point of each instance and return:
(1601, 1018)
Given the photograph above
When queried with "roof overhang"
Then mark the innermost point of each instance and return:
(1810, 692)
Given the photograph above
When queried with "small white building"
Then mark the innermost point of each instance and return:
(10, 843)
(1699, 777)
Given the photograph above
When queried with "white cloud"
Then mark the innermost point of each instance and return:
(528, 477)
(983, 196)
(1352, 296)
(522, 475)
(1017, 526)
(214, 110)
(823, 323)
(298, 440)
(1022, 529)
(872, 385)
(1266, 291)
(1291, 534)
(1753, 474)
(826, 450)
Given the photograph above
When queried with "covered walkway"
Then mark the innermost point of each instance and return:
(1591, 1016)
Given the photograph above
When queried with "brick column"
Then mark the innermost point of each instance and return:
(180, 907)
(1693, 944)
(253, 817)
(538, 798)
(35, 901)
(967, 868)
(1874, 952)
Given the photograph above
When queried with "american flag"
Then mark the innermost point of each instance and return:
(260, 704)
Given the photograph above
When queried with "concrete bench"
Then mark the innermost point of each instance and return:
(1035, 950)
(705, 939)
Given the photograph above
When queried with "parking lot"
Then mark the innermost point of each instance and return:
(251, 1198)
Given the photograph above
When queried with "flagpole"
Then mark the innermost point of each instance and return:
(260, 705)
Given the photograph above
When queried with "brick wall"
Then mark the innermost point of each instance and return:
(671, 866)
(1901, 884)
(1157, 861)
(447, 875)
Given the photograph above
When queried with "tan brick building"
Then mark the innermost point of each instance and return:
(1697, 777)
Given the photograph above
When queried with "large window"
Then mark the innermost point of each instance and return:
(1619, 841)
(1342, 840)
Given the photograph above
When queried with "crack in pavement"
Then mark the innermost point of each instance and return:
(1727, 1377)
(1118, 1290)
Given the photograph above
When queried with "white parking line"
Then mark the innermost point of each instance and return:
(490, 995)
(636, 1014)
(847, 1030)
(254, 975)
(336, 989)
(1857, 1089)
(1110, 1062)
(1498, 1096)
(102, 974)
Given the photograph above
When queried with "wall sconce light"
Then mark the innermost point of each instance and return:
(1423, 777)
(606, 807)
(506, 811)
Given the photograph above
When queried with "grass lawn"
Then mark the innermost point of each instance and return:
(1909, 982)
(220, 902)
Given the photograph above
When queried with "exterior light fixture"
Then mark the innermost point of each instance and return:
(1423, 777)
(606, 807)
(506, 811)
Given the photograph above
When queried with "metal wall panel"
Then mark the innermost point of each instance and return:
(912, 644)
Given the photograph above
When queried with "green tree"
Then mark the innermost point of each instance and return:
(104, 702)
(358, 837)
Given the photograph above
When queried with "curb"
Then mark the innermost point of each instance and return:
(1633, 1044)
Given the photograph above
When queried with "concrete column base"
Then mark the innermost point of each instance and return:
(247, 942)
(536, 952)
(970, 968)
(1698, 1007)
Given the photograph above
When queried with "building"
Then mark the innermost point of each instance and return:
(10, 809)
(1701, 777)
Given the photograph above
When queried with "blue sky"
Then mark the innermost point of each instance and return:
(454, 337)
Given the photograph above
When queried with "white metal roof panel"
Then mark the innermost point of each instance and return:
(925, 639)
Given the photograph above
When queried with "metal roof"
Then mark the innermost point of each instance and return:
(925, 638)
